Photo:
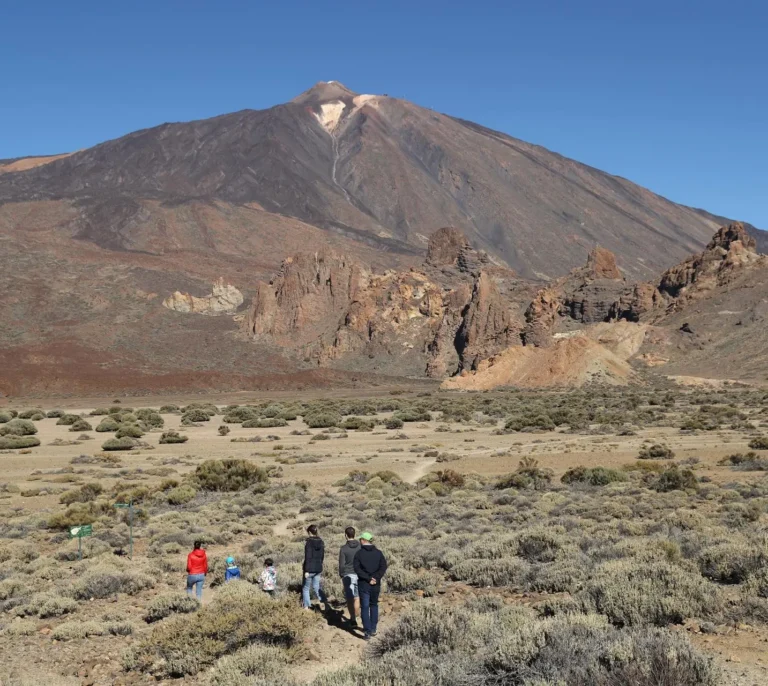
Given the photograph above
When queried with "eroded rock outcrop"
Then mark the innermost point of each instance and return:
(449, 247)
(730, 250)
(440, 319)
(594, 293)
(308, 297)
(224, 299)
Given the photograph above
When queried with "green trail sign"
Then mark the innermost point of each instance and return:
(79, 532)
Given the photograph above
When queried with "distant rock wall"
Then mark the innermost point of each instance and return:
(224, 299)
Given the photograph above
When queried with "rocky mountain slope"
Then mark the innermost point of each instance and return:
(144, 263)
(377, 169)
(460, 317)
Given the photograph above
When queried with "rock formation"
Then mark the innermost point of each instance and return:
(224, 299)
(438, 320)
(458, 316)
(308, 297)
(731, 249)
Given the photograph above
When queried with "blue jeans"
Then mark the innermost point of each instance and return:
(350, 586)
(369, 605)
(196, 581)
(313, 581)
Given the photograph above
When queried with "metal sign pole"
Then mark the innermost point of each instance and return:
(79, 547)
(130, 528)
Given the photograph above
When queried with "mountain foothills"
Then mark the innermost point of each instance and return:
(159, 261)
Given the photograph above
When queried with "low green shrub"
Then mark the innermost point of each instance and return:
(29, 414)
(676, 479)
(594, 476)
(18, 442)
(181, 495)
(173, 437)
(85, 494)
(106, 582)
(108, 424)
(195, 415)
(68, 419)
(164, 606)
(124, 443)
(46, 605)
(264, 423)
(322, 420)
(239, 616)
(129, 431)
(656, 452)
(228, 475)
(81, 425)
(18, 427)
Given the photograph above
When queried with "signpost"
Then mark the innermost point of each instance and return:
(129, 505)
(80, 532)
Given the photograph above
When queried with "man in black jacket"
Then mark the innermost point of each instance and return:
(347, 554)
(370, 566)
(314, 554)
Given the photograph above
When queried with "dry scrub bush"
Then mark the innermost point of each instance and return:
(173, 437)
(104, 582)
(733, 562)
(257, 664)
(322, 420)
(228, 475)
(18, 427)
(68, 419)
(84, 494)
(124, 443)
(163, 606)
(107, 425)
(593, 476)
(129, 431)
(73, 630)
(240, 615)
(79, 513)
(660, 593)
(264, 423)
(46, 605)
(433, 644)
(656, 452)
(81, 425)
(527, 475)
(18, 442)
(760, 443)
(21, 627)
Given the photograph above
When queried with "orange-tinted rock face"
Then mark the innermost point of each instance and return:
(445, 246)
(601, 264)
(487, 325)
(731, 249)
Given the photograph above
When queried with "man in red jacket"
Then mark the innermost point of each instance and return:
(197, 568)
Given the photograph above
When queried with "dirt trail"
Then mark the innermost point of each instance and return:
(283, 527)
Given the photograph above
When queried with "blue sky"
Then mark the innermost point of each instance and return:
(672, 95)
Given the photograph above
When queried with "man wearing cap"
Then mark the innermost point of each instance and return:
(370, 566)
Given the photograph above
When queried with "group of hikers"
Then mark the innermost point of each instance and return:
(361, 568)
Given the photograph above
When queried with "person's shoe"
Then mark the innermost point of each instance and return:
(367, 637)
(373, 633)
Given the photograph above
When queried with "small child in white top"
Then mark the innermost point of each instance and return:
(268, 578)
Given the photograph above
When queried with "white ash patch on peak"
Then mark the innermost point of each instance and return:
(330, 114)
(360, 100)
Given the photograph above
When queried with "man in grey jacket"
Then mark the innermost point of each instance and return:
(347, 573)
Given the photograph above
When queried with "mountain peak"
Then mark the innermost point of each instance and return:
(324, 91)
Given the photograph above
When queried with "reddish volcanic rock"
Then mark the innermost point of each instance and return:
(601, 264)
